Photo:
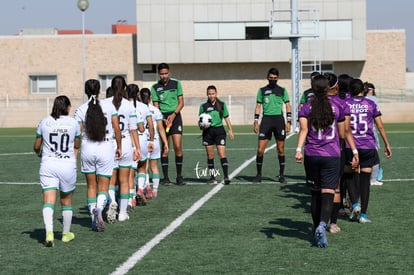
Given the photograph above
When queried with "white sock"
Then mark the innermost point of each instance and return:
(374, 172)
(141, 181)
(131, 195)
(123, 202)
(111, 193)
(67, 213)
(101, 200)
(48, 210)
(155, 181)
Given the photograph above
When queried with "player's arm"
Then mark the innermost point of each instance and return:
(383, 133)
(37, 146)
(256, 117)
(288, 116)
(163, 135)
(228, 122)
(117, 131)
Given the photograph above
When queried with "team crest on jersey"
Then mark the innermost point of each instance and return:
(205, 143)
(161, 97)
(266, 100)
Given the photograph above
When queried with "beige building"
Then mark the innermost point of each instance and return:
(212, 42)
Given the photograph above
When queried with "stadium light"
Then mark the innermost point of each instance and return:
(83, 5)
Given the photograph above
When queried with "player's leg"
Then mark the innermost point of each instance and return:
(164, 163)
(67, 214)
(178, 149)
(49, 200)
(280, 147)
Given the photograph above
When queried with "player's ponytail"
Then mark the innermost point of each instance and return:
(145, 95)
(132, 90)
(118, 85)
(321, 115)
(95, 121)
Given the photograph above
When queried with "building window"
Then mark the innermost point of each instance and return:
(43, 84)
(257, 33)
(324, 68)
(106, 79)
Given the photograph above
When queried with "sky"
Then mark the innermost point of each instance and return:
(101, 14)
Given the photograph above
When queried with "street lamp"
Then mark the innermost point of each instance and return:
(83, 5)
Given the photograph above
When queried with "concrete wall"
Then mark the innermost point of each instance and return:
(22, 56)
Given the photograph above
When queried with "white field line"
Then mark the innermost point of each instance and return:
(144, 250)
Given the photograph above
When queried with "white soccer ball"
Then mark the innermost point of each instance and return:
(204, 120)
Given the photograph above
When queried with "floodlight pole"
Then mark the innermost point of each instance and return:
(83, 5)
(295, 66)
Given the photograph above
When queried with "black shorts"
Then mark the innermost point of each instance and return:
(367, 157)
(177, 125)
(214, 136)
(322, 172)
(272, 125)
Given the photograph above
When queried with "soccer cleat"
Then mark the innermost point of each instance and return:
(363, 219)
(111, 213)
(281, 179)
(212, 180)
(98, 220)
(376, 183)
(226, 181)
(320, 236)
(148, 193)
(123, 216)
(333, 228)
(140, 198)
(67, 237)
(257, 179)
(165, 182)
(50, 239)
(180, 181)
(356, 210)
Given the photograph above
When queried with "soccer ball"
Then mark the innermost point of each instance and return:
(204, 120)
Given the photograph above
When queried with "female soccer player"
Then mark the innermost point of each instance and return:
(215, 134)
(57, 141)
(99, 123)
(321, 126)
(364, 113)
(146, 141)
(123, 166)
(159, 131)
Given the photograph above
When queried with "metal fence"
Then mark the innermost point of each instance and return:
(28, 113)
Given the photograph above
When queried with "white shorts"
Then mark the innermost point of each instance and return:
(156, 153)
(58, 174)
(126, 159)
(97, 158)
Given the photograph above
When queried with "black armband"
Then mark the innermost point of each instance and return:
(256, 116)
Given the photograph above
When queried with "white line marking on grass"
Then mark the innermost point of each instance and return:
(137, 256)
(144, 250)
(13, 154)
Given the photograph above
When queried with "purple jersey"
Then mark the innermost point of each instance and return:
(363, 113)
(323, 143)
